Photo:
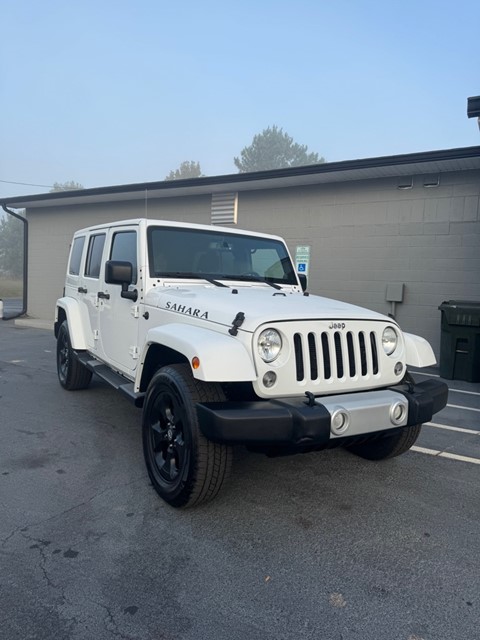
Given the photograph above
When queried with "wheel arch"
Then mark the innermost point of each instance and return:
(158, 355)
(419, 353)
(68, 309)
(222, 358)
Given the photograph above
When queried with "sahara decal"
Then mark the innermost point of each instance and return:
(190, 311)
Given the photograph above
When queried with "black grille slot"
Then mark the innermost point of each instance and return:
(312, 350)
(327, 368)
(297, 341)
(342, 355)
(351, 354)
(363, 353)
(373, 343)
(337, 338)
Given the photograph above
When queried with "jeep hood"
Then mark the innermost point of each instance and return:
(260, 304)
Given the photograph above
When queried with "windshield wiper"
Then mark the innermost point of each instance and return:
(191, 275)
(252, 279)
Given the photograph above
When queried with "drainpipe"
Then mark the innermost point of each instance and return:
(25, 264)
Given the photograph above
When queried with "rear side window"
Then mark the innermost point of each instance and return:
(76, 256)
(124, 247)
(94, 255)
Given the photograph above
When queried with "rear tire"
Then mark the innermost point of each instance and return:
(388, 446)
(71, 373)
(185, 468)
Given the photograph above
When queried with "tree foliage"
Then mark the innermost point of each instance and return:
(71, 185)
(11, 246)
(274, 149)
(188, 169)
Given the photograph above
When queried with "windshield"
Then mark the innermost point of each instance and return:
(195, 253)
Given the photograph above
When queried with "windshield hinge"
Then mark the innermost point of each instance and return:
(237, 322)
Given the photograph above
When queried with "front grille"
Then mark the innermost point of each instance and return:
(333, 355)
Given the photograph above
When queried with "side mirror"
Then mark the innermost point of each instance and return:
(303, 281)
(119, 272)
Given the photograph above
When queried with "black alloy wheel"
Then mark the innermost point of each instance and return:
(72, 374)
(184, 467)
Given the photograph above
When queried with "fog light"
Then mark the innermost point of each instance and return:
(339, 421)
(398, 368)
(398, 412)
(269, 379)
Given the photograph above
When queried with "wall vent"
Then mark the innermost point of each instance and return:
(224, 208)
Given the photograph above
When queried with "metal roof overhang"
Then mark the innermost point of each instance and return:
(432, 162)
(473, 107)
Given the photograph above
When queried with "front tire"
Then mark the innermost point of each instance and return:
(388, 446)
(184, 467)
(71, 373)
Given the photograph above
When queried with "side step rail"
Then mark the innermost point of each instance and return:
(114, 379)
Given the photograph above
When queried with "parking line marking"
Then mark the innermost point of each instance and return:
(459, 406)
(421, 373)
(470, 393)
(449, 428)
(434, 375)
(445, 454)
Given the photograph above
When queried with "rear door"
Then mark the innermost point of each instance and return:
(91, 287)
(119, 317)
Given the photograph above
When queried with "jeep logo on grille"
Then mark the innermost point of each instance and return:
(336, 325)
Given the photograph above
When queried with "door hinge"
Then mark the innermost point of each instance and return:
(95, 334)
(133, 351)
(135, 311)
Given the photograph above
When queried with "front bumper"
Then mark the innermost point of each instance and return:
(296, 423)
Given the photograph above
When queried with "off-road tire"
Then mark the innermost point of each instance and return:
(185, 468)
(72, 374)
(388, 446)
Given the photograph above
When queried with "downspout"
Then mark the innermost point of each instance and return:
(25, 262)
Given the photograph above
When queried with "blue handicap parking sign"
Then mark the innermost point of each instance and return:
(302, 267)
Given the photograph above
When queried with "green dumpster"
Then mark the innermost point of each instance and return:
(460, 340)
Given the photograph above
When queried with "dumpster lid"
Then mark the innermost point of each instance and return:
(467, 306)
(461, 312)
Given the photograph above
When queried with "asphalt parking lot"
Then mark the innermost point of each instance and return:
(325, 546)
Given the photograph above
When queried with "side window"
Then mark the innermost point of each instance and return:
(124, 247)
(94, 255)
(76, 256)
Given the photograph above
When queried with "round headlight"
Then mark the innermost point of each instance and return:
(269, 345)
(389, 340)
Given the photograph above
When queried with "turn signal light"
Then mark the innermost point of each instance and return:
(195, 362)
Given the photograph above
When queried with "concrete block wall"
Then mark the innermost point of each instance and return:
(51, 231)
(365, 235)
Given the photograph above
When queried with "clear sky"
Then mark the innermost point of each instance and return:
(111, 92)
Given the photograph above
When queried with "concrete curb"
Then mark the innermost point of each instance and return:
(34, 323)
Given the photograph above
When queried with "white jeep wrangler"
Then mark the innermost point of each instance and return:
(212, 332)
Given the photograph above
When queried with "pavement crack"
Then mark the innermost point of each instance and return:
(41, 545)
(109, 621)
(24, 527)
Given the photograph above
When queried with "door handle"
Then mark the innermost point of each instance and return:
(104, 296)
(81, 290)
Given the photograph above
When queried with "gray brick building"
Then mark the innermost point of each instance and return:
(411, 219)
